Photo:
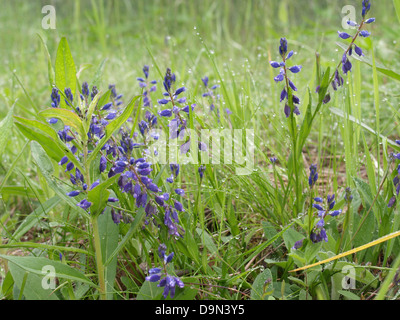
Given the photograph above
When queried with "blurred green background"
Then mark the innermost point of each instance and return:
(242, 35)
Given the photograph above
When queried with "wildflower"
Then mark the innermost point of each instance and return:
(63, 161)
(273, 160)
(346, 64)
(313, 175)
(85, 89)
(73, 193)
(344, 35)
(201, 170)
(69, 95)
(84, 204)
(366, 6)
(298, 244)
(286, 93)
(166, 281)
(319, 233)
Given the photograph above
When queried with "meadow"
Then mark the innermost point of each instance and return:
(199, 150)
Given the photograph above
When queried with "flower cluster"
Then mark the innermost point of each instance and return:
(160, 275)
(345, 62)
(178, 125)
(286, 93)
(212, 96)
(123, 154)
(148, 86)
(319, 232)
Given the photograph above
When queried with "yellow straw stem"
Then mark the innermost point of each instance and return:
(344, 254)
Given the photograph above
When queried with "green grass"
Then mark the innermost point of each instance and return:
(239, 229)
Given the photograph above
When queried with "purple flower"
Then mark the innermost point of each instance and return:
(168, 259)
(352, 23)
(84, 204)
(103, 163)
(179, 91)
(111, 116)
(283, 47)
(392, 201)
(73, 193)
(344, 35)
(335, 213)
(275, 64)
(165, 113)
(295, 69)
(290, 54)
(180, 192)
(287, 110)
(365, 33)
(94, 185)
(279, 77)
(70, 166)
(284, 95)
(205, 81)
(366, 6)
(63, 161)
(298, 244)
(313, 175)
(317, 206)
(201, 171)
(163, 101)
(370, 20)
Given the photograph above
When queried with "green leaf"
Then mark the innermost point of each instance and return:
(35, 265)
(65, 70)
(149, 291)
(137, 222)
(44, 141)
(43, 127)
(112, 127)
(99, 195)
(90, 111)
(30, 285)
(109, 234)
(262, 286)
(290, 237)
(46, 168)
(68, 117)
(349, 295)
(51, 148)
(28, 244)
(5, 130)
(208, 241)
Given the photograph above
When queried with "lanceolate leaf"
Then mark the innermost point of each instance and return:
(52, 148)
(46, 168)
(65, 70)
(98, 196)
(35, 265)
(68, 117)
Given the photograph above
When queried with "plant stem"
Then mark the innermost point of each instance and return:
(99, 258)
